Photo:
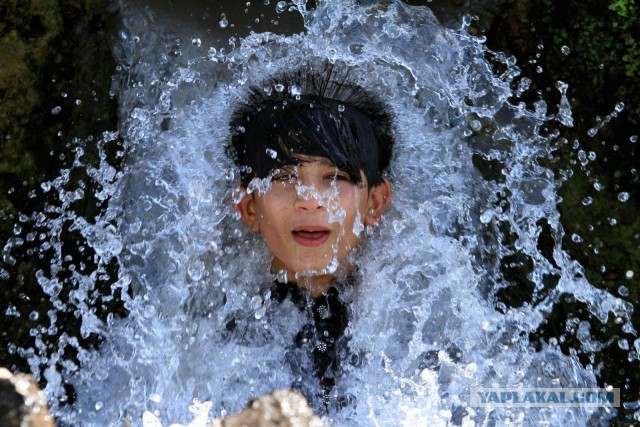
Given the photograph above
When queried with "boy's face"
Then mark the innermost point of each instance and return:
(313, 216)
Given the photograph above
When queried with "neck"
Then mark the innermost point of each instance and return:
(316, 284)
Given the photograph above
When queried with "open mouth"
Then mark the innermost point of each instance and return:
(310, 236)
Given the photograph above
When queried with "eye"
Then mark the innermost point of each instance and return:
(339, 176)
(284, 176)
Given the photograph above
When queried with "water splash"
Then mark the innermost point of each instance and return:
(427, 321)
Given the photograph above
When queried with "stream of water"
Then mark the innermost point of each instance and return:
(425, 323)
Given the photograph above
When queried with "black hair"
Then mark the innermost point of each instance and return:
(313, 111)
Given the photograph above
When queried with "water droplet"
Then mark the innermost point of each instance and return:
(271, 153)
(582, 157)
(613, 221)
(633, 139)
(281, 6)
(356, 48)
(486, 216)
(524, 85)
(358, 227)
(623, 344)
(623, 291)
(33, 316)
(623, 196)
(98, 406)
(295, 90)
(619, 107)
(470, 369)
(196, 270)
(576, 238)
(540, 107)
(341, 108)
(565, 50)
(279, 87)
(598, 186)
(224, 23)
(78, 102)
(592, 132)
(56, 110)
(281, 276)
(256, 302)
(539, 69)
(196, 42)
(398, 226)
(629, 274)
(259, 314)
(150, 420)
(587, 201)
(476, 125)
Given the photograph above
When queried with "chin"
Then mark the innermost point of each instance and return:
(312, 269)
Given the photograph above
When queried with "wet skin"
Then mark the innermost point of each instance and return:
(307, 218)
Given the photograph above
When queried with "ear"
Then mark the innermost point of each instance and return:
(247, 210)
(379, 199)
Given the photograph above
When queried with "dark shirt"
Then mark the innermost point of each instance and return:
(328, 322)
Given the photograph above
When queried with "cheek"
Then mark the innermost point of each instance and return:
(355, 206)
(271, 207)
(359, 205)
(271, 219)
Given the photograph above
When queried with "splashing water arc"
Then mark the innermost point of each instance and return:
(423, 324)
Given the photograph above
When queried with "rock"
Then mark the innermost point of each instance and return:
(22, 403)
(282, 408)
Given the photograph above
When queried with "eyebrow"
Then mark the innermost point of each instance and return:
(304, 158)
(327, 163)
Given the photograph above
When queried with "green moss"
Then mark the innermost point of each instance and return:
(629, 18)
(625, 9)
(25, 48)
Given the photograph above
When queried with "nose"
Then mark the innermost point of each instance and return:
(307, 197)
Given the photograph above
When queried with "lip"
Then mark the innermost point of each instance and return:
(310, 235)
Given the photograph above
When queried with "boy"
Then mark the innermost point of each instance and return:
(312, 149)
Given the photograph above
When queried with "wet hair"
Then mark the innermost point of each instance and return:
(314, 111)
